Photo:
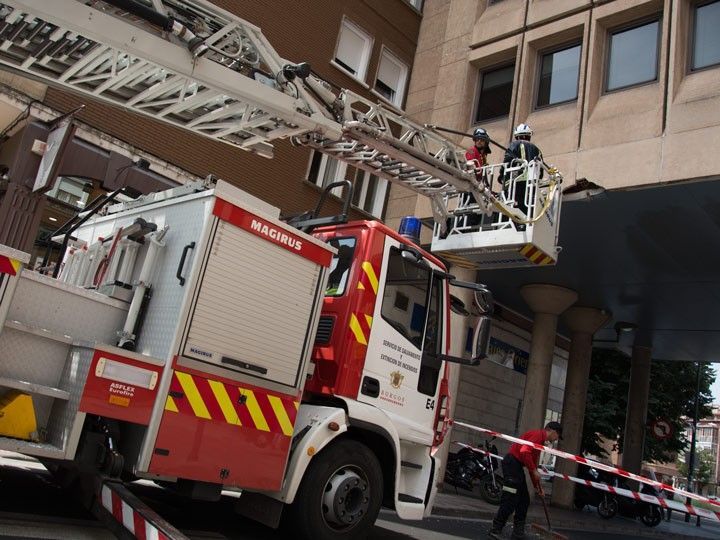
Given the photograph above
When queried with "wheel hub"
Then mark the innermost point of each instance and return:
(346, 498)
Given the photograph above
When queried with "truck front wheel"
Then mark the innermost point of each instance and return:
(340, 495)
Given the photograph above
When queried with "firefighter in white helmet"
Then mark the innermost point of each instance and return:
(521, 148)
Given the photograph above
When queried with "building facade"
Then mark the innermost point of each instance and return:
(622, 95)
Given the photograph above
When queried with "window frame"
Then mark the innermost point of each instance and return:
(637, 23)
(342, 173)
(478, 93)
(552, 50)
(692, 36)
(418, 7)
(367, 50)
(402, 91)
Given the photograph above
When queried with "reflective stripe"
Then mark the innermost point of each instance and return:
(509, 489)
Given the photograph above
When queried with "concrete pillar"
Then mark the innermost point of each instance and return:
(547, 302)
(636, 418)
(582, 322)
(458, 334)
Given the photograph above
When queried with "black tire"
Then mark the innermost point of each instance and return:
(651, 516)
(607, 507)
(344, 467)
(490, 492)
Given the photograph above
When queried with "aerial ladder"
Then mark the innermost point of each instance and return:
(193, 65)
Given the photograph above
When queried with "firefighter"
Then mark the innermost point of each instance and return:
(480, 148)
(520, 148)
(477, 154)
(515, 497)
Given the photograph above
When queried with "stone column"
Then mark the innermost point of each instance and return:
(582, 322)
(636, 418)
(547, 302)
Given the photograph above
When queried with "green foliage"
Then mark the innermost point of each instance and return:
(703, 466)
(672, 398)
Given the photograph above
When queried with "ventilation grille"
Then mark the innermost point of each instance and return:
(324, 330)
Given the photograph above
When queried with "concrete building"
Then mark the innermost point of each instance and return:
(623, 97)
(708, 440)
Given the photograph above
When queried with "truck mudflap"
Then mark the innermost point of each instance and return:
(315, 427)
(128, 517)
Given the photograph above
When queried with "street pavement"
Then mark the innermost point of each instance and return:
(33, 507)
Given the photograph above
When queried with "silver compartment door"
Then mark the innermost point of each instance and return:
(253, 311)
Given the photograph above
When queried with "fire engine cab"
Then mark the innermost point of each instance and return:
(194, 338)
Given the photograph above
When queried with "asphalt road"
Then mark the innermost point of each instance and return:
(33, 507)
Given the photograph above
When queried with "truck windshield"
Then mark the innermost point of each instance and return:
(340, 265)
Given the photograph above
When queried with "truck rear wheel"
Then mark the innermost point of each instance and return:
(340, 495)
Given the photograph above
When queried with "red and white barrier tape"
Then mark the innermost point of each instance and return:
(139, 520)
(591, 463)
(645, 497)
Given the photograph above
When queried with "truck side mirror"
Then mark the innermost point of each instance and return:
(482, 338)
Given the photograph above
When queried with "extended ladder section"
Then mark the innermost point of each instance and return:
(195, 66)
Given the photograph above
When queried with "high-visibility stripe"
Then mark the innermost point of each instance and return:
(370, 273)
(192, 394)
(281, 415)
(9, 266)
(221, 395)
(535, 255)
(170, 404)
(255, 411)
(267, 412)
(356, 330)
(368, 320)
(361, 286)
(297, 405)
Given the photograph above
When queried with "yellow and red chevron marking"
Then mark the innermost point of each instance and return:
(219, 401)
(9, 266)
(535, 255)
(361, 323)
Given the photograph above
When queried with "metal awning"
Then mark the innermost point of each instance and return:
(651, 256)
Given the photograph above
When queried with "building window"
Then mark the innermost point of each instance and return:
(369, 191)
(72, 191)
(391, 78)
(706, 38)
(495, 93)
(559, 72)
(633, 56)
(417, 4)
(353, 49)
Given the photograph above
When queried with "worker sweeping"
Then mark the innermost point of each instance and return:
(515, 497)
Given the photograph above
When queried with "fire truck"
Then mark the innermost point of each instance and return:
(195, 338)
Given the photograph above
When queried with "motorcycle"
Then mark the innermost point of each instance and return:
(468, 468)
(610, 505)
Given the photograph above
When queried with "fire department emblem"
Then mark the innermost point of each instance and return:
(396, 379)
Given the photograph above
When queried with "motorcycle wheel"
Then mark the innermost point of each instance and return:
(490, 492)
(607, 507)
(651, 516)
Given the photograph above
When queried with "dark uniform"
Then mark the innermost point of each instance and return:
(521, 149)
(515, 497)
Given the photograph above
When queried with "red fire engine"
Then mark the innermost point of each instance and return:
(193, 337)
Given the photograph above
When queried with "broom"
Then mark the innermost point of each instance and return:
(541, 531)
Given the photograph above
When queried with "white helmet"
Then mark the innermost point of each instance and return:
(522, 129)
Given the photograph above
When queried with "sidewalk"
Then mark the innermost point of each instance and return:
(447, 503)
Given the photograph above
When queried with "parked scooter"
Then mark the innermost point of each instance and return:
(649, 514)
(469, 468)
(587, 495)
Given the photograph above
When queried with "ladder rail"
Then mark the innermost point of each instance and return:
(119, 62)
(234, 91)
